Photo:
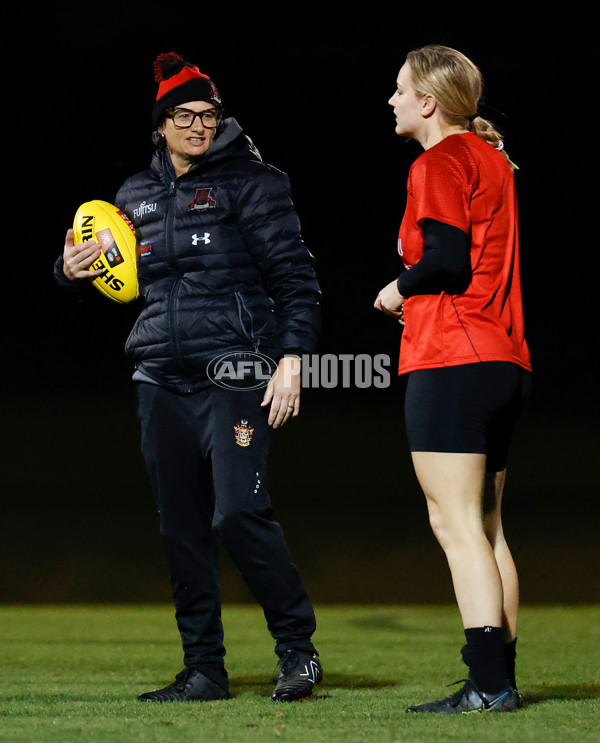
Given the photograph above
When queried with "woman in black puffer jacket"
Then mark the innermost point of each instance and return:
(224, 274)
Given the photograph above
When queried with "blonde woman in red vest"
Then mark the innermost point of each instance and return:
(464, 349)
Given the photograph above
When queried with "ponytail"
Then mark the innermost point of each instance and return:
(485, 130)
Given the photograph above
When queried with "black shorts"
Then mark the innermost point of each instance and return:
(471, 408)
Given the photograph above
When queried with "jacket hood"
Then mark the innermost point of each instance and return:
(232, 141)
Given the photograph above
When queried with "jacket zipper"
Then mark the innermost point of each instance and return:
(177, 355)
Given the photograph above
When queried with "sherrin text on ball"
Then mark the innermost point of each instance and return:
(111, 228)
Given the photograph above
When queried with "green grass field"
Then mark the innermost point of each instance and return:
(73, 673)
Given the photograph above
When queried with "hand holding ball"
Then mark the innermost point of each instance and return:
(117, 262)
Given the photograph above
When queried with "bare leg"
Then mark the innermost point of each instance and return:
(454, 486)
(492, 520)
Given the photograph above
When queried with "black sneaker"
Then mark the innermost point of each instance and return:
(298, 674)
(189, 685)
(520, 700)
(470, 699)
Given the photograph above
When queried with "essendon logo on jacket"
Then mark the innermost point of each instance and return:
(202, 200)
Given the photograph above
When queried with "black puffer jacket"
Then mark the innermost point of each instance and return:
(222, 264)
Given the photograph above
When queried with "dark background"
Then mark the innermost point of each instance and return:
(311, 89)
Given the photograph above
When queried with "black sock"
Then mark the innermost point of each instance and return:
(484, 654)
(510, 656)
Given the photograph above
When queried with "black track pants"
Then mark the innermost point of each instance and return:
(210, 480)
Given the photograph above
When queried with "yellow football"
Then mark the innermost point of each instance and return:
(107, 225)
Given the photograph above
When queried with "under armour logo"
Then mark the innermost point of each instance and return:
(205, 238)
(311, 672)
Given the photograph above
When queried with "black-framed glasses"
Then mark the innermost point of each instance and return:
(183, 118)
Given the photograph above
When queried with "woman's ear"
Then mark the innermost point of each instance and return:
(428, 104)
